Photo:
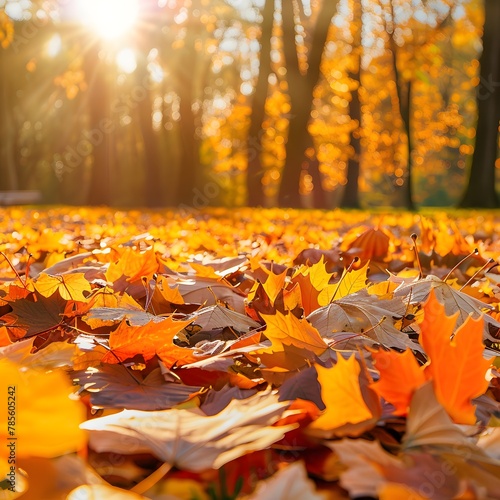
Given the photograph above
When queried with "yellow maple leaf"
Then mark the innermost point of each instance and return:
(274, 284)
(71, 286)
(341, 394)
(204, 271)
(290, 330)
(32, 423)
(350, 282)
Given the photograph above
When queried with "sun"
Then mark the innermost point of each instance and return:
(110, 19)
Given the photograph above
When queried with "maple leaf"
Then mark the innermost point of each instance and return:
(312, 281)
(453, 300)
(290, 483)
(36, 313)
(365, 314)
(344, 402)
(456, 366)
(187, 438)
(400, 376)
(372, 244)
(108, 316)
(289, 330)
(134, 265)
(148, 340)
(115, 386)
(220, 317)
(69, 286)
(164, 297)
(41, 431)
(350, 282)
(274, 284)
(102, 492)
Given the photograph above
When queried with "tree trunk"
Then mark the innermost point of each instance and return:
(480, 191)
(188, 194)
(153, 188)
(189, 148)
(99, 110)
(254, 147)
(300, 88)
(404, 103)
(350, 196)
(8, 131)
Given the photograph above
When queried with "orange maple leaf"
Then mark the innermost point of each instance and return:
(134, 265)
(400, 376)
(4, 337)
(312, 281)
(372, 244)
(148, 340)
(456, 366)
(274, 284)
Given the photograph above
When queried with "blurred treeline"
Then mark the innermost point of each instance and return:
(244, 102)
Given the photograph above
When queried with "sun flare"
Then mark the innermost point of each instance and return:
(110, 19)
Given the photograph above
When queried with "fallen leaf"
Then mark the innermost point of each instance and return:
(44, 427)
(220, 317)
(290, 483)
(371, 244)
(341, 395)
(350, 282)
(115, 386)
(134, 265)
(102, 492)
(364, 314)
(289, 330)
(456, 366)
(188, 439)
(149, 340)
(312, 280)
(70, 286)
(400, 376)
(37, 314)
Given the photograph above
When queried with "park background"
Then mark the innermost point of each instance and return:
(191, 103)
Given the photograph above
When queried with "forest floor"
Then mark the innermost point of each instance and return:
(249, 353)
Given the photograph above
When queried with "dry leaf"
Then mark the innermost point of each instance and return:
(44, 426)
(457, 367)
(341, 394)
(188, 439)
(289, 330)
(290, 483)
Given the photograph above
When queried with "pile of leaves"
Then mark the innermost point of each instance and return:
(250, 354)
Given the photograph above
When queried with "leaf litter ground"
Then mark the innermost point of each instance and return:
(249, 354)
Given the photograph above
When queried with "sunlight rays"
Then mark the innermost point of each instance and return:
(110, 19)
